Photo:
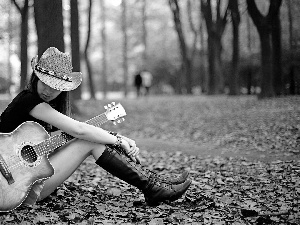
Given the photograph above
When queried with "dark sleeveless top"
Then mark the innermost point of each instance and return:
(17, 112)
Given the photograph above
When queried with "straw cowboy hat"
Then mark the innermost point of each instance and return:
(55, 69)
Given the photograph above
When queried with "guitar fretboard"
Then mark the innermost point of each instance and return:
(49, 145)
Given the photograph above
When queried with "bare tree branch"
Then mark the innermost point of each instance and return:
(17, 6)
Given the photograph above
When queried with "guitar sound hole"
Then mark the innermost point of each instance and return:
(28, 154)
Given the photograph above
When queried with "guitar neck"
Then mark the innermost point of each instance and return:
(49, 145)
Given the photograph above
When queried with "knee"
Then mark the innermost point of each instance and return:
(86, 147)
(98, 147)
(98, 150)
(92, 146)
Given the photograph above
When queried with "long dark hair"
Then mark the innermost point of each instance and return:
(61, 103)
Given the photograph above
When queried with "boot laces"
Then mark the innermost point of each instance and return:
(154, 180)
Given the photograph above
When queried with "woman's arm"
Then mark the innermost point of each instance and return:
(77, 129)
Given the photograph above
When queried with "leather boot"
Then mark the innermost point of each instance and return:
(154, 190)
(170, 180)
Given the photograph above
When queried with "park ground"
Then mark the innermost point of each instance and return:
(243, 155)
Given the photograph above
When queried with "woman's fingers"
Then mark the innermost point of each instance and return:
(134, 151)
(134, 155)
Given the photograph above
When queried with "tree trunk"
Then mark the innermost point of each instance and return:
(75, 45)
(24, 45)
(24, 42)
(49, 25)
(249, 47)
(218, 78)
(186, 61)
(267, 89)
(144, 25)
(194, 31)
(211, 67)
(235, 15)
(103, 46)
(125, 42)
(86, 55)
(203, 54)
(291, 21)
(276, 60)
(215, 30)
(292, 90)
(264, 25)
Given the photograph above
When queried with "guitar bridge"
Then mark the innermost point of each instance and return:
(5, 171)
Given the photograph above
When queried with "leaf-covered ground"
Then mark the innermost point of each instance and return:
(258, 184)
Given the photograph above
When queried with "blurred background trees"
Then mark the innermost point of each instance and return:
(190, 47)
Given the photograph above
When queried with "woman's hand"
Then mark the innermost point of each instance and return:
(131, 148)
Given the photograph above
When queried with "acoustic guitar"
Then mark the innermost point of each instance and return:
(24, 156)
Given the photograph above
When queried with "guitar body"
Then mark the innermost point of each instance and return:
(24, 167)
(24, 156)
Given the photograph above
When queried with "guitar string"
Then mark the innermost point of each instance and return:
(97, 122)
(28, 155)
(53, 140)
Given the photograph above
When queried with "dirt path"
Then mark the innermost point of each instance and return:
(208, 151)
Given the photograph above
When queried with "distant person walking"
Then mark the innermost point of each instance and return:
(147, 81)
(138, 82)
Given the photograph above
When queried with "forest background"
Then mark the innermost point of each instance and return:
(190, 47)
(243, 153)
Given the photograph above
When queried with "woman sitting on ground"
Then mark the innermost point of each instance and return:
(46, 101)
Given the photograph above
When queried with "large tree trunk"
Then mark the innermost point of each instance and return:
(125, 42)
(264, 25)
(292, 90)
(216, 84)
(49, 25)
(186, 60)
(86, 54)
(215, 30)
(249, 47)
(233, 77)
(211, 66)
(276, 60)
(24, 45)
(203, 54)
(24, 41)
(103, 46)
(75, 45)
(267, 89)
(194, 31)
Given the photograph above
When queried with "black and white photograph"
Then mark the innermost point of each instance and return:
(150, 112)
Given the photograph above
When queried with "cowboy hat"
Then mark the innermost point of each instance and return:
(55, 69)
